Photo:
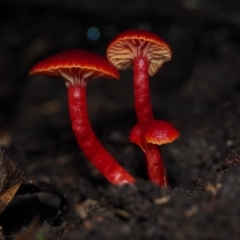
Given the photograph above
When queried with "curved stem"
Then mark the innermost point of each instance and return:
(142, 100)
(88, 141)
(155, 166)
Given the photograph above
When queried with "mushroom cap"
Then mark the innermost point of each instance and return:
(81, 63)
(129, 44)
(153, 131)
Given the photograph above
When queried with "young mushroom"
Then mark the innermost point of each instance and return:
(147, 134)
(145, 52)
(76, 67)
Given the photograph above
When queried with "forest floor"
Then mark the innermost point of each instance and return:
(198, 92)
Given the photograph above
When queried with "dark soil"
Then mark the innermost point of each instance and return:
(198, 92)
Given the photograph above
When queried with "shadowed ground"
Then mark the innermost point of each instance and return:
(198, 92)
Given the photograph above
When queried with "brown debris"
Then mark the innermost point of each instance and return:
(162, 200)
(85, 208)
(11, 178)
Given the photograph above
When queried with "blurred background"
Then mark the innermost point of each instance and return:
(198, 91)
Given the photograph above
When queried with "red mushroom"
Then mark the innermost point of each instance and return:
(76, 67)
(147, 134)
(145, 52)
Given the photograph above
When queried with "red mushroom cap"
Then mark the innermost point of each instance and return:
(75, 65)
(129, 44)
(153, 131)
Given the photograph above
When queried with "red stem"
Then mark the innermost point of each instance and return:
(143, 107)
(142, 100)
(88, 141)
(155, 166)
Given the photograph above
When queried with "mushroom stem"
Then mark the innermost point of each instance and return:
(143, 108)
(142, 100)
(88, 141)
(155, 166)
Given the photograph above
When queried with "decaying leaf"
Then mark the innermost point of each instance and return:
(11, 178)
(30, 197)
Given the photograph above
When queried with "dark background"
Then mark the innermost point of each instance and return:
(197, 91)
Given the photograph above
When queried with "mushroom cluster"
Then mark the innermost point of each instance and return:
(145, 53)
